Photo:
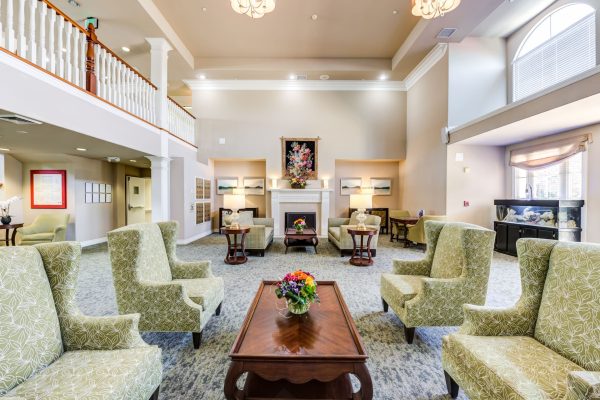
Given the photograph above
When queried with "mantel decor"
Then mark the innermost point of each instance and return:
(300, 291)
(299, 160)
(48, 189)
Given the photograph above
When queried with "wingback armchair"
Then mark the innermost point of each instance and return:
(171, 295)
(454, 271)
(45, 228)
(50, 350)
(337, 232)
(416, 233)
(547, 346)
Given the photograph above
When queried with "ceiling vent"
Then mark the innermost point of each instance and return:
(19, 120)
(446, 33)
(301, 77)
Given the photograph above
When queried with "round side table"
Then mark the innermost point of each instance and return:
(7, 228)
(358, 254)
(236, 252)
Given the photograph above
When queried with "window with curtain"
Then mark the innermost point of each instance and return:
(560, 46)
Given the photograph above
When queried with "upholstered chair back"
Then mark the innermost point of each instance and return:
(568, 320)
(449, 258)
(30, 335)
(372, 220)
(49, 222)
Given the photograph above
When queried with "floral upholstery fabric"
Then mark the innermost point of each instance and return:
(506, 367)
(400, 288)
(449, 258)
(98, 371)
(163, 305)
(129, 374)
(343, 241)
(30, 337)
(207, 292)
(558, 311)
(439, 301)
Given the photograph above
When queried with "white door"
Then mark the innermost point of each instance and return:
(136, 200)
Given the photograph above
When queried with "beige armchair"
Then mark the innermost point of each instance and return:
(416, 233)
(397, 232)
(171, 295)
(260, 236)
(337, 232)
(46, 228)
(455, 271)
(547, 346)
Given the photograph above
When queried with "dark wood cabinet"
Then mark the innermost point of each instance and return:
(501, 237)
(508, 233)
(547, 234)
(513, 234)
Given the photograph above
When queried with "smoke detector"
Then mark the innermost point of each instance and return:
(446, 33)
(113, 159)
(19, 119)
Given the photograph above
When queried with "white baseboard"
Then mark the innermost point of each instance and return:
(93, 242)
(194, 238)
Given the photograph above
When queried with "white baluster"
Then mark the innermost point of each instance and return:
(128, 99)
(105, 74)
(113, 79)
(51, 44)
(76, 60)
(60, 46)
(99, 71)
(2, 44)
(69, 52)
(32, 46)
(42, 44)
(19, 42)
(82, 59)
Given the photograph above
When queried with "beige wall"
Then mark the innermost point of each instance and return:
(481, 184)
(424, 172)
(367, 170)
(240, 169)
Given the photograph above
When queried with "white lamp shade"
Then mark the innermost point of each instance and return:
(234, 201)
(361, 201)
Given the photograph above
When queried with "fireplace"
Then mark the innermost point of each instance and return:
(309, 217)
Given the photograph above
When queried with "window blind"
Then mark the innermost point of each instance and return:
(565, 55)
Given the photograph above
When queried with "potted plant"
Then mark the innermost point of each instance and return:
(5, 217)
(300, 291)
(300, 224)
(300, 165)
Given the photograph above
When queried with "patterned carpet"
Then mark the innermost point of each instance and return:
(398, 370)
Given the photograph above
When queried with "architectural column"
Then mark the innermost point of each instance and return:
(160, 188)
(159, 60)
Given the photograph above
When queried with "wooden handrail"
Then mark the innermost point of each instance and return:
(65, 16)
(182, 107)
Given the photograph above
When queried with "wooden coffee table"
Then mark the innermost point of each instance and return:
(298, 357)
(308, 237)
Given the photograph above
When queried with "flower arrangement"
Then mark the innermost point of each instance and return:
(300, 291)
(300, 164)
(5, 209)
(300, 224)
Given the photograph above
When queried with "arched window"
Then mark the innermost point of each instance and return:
(560, 46)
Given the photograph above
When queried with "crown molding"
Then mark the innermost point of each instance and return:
(432, 58)
(273, 85)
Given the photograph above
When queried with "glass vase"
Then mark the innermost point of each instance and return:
(297, 308)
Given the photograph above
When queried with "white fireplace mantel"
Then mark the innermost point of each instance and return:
(305, 196)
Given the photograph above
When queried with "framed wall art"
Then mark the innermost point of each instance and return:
(350, 186)
(199, 188)
(381, 186)
(254, 186)
(300, 147)
(207, 187)
(226, 185)
(48, 189)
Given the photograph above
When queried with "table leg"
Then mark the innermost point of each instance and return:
(227, 257)
(285, 241)
(236, 369)
(243, 246)
(392, 224)
(353, 246)
(6, 240)
(315, 244)
(369, 249)
(366, 384)
(362, 251)
(235, 248)
(405, 235)
(14, 237)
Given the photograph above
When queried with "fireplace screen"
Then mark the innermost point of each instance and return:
(309, 217)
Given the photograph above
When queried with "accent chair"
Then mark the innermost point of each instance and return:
(49, 350)
(547, 346)
(260, 236)
(337, 232)
(416, 233)
(171, 295)
(454, 271)
(396, 231)
(46, 228)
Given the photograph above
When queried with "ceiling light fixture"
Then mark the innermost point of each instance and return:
(324, 77)
(126, 49)
(383, 77)
(293, 77)
(429, 9)
(253, 8)
(4, 149)
(80, 149)
(203, 77)
(314, 17)
(22, 132)
(132, 161)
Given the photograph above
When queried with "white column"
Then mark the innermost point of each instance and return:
(325, 195)
(275, 213)
(159, 58)
(160, 188)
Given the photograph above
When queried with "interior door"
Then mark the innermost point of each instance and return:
(135, 200)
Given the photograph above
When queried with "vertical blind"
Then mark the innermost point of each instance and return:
(565, 55)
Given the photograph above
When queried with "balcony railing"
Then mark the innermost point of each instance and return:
(38, 32)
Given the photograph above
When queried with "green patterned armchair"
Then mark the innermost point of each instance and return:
(171, 295)
(49, 350)
(547, 346)
(337, 232)
(455, 271)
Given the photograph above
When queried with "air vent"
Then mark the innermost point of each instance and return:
(301, 77)
(446, 33)
(19, 120)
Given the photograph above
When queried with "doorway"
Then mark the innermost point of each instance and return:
(138, 200)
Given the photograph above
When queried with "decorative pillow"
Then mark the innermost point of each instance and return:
(246, 218)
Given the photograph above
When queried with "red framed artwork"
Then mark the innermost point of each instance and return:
(48, 188)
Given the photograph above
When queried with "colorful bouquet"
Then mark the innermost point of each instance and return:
(300, 291)
(300, 165)
(300, 224)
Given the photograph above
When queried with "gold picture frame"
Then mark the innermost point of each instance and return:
(312, 143)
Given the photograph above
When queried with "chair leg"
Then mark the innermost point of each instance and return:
(155, 394)
(262, 253)
(409, 334)
(197, 339)
(385, 305)
(218, 310)
(451, 385)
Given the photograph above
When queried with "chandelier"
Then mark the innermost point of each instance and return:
(253, 8)
(430, 9)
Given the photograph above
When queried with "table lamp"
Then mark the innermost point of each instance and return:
(235, 202)
(361, 202)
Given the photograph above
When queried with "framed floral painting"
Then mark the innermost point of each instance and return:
(300, 153)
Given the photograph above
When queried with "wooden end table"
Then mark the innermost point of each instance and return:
(308, 237)
(402, 222)
(7, 228)
(358, 254)
(236, 252)
(308, 356)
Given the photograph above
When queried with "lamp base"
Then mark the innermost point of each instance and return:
(235, 220)
(361, 218)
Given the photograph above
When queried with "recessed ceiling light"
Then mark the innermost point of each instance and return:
(293, 77)
(383, 77)
(113, 159)
(204, 9)
(4, 149)
(80, 149)
(203, 77)
(395, 12)
(132, 161)
(126, 49)
(324, 77)
(314, 17)
(64, 49)
(22, 132)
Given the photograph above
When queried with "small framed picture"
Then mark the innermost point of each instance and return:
(88, 197)
(102, 197)
(102, 188)
(381, 186)
(226, 185)
(108, 188)
(349, 186)
(96, 198)
(96, 188)
(109, 197)
(254, 186)
(88, 187)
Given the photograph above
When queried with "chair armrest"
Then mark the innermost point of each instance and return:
(27, 230)
(60, 233)
(489, 321)
(583, 385)
(264, 221)
(412, 267)
(337, 222)
(101, 333)
(13, 398)
(191, 269)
